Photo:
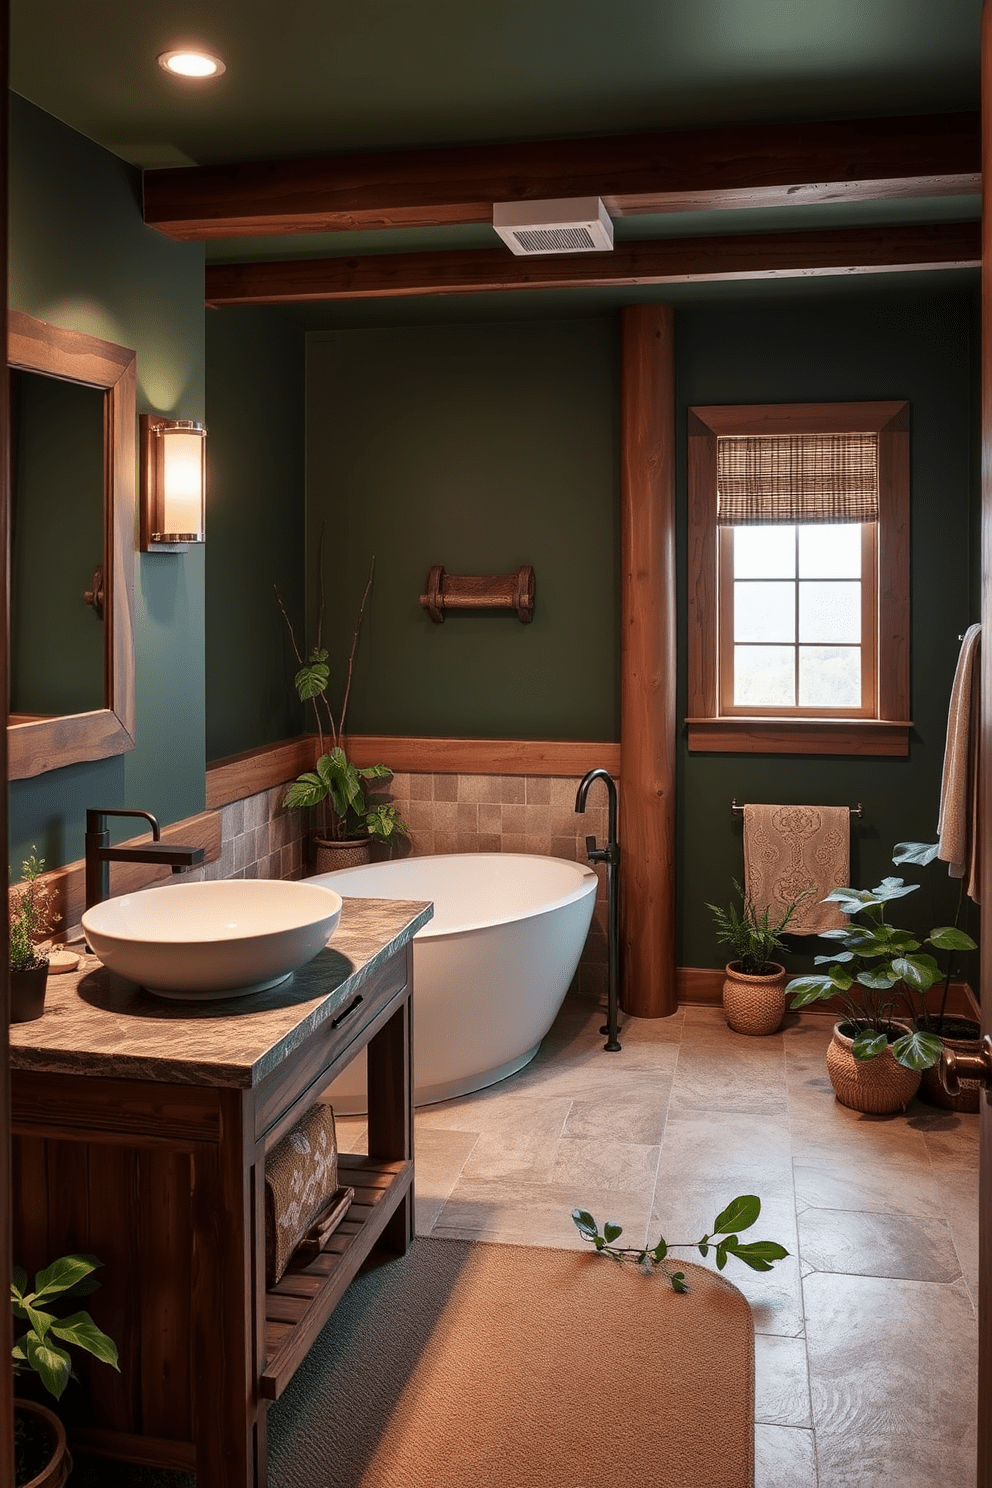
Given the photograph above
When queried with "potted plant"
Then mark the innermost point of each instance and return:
(880, 974)
(31, 916)
(754, 985)
(41, 1457)
(353, 821)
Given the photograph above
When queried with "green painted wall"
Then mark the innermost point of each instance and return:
(479, 447)
(255, 537)
(81, 257)
(895, 346)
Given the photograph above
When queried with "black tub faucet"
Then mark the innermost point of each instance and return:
(100, 854)
(610, 855)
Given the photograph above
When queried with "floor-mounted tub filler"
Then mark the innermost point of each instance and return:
(490, 970)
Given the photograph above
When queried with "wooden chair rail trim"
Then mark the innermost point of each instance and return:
(256, 770)
(702, 986)
(875, 737)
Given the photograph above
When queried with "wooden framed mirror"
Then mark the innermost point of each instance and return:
(73, 417)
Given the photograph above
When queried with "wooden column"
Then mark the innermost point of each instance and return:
(6, 1373)
(647, 662)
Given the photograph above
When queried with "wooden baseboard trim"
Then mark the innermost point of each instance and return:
(702, 986)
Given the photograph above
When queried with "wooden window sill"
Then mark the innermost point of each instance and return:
(864, 736)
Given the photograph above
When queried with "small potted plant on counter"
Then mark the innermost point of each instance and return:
(754, 989)
(881, 976)
(31, 917)
(353, 821)
(41, 1457)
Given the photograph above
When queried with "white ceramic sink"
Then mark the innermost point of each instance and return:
(207, 940)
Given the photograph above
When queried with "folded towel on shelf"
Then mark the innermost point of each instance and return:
(789, 849)
(957, 824)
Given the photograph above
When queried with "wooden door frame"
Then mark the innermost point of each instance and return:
(6, 1370)
(985, 761)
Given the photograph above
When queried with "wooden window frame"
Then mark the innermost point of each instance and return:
(714, 729)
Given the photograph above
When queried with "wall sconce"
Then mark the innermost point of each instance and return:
(173, 483)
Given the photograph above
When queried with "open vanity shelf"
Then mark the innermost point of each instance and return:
(299, 1305)
(140, 1134)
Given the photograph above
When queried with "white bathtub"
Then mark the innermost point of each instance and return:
(491, 969)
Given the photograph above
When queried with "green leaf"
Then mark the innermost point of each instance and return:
(52, 1365)
(81, 1330)
(677, 1279)
(598, 1241)
(894, 888)
(660, 1251)
(64, 1273)
(949, 938)
(811, 988)
(585, 1222)
(612, 1231)
(704, 1248)
(759, 1254)
(917, 971)
(374, 772)
(308, 790)
(311, 680)
(721, 1255)
(915, 852)
(836, 959)
(869, 1044)
(18, 1280)
(740, 1214)
(879, 980)
(918, 1051)
(40, 1321)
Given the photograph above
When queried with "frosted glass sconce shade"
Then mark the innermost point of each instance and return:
(173, 483)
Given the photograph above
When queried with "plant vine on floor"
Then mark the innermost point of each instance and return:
(740, 1214)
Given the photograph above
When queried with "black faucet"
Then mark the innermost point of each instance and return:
(610, 855)
(100, 854)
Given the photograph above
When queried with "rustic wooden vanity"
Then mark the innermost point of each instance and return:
(140, 1131)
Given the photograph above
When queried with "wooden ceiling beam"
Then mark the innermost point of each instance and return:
(667, 261)
(735, 166)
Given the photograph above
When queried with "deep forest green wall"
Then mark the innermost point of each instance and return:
(81, 257)
(479, 447)
(255, 527)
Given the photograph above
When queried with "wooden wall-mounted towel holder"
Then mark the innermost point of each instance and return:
(446, 591)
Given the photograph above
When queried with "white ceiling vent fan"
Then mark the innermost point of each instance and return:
(578, 224)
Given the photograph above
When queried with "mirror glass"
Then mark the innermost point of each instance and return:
(72, 422)
(56, 487)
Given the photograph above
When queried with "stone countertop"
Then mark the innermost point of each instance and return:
(97, 1023)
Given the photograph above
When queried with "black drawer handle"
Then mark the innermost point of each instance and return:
(353, 1004)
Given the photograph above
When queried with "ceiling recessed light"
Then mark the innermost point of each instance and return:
(186, 63)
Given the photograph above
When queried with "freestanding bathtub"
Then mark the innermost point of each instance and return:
(490, 970)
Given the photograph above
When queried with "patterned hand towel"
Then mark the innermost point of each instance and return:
(957, 827)
(791, 848)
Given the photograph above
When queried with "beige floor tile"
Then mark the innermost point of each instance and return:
(714, 1075)
(604, 1080)
(896, 1245)
(522, 1143)
(959, 1192)
(352, 1133)
(535, 1214)
(604, 1166)
(781, 1381)
(440, 1158)
(896, 1460)
(893, 1189)
(891, 1360)
(784, 1457)
(951, 1138)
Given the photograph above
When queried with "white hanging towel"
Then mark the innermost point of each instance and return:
(789, 849)
(957, 824)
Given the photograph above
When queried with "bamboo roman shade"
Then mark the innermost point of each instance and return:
(787, 478)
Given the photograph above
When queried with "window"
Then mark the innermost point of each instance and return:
(799, 578)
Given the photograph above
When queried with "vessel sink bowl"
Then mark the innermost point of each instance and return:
(199, 941)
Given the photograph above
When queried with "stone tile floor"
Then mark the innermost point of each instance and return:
(865, 1336)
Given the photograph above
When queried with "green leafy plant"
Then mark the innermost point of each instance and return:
(42, 1347)
(750, 933)
(31, 915)
(740, 1214)
(334, 778)
(882, 972)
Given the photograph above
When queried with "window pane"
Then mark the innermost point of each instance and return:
(765, 611)
(830, 613)
(827, 551)
(764, 552)
(829, 677)
(764, 676)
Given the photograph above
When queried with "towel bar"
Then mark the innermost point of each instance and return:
(858, 810)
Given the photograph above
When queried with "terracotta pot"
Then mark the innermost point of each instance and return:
(960, 1042)
(41, 1426)
(754, 1004)
(329, 856)
(876, 1086)
(27, 993)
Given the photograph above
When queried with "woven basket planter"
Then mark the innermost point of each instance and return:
(754, 1004)
(876, 1086)
(329, 856)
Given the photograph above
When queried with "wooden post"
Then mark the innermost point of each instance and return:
(6, 1331)
(647, 662)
